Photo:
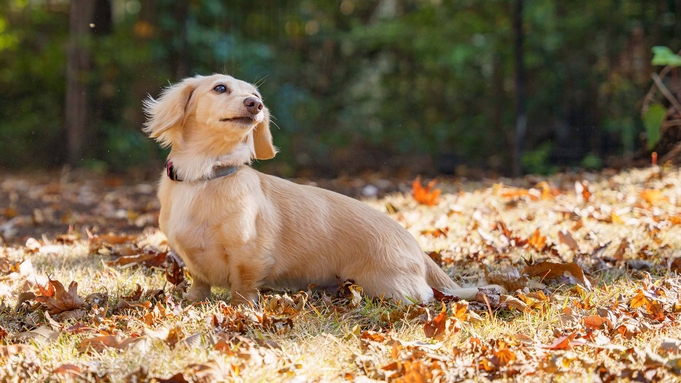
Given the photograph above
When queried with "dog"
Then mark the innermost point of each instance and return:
(238, 228)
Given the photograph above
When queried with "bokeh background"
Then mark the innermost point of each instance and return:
(416, 86)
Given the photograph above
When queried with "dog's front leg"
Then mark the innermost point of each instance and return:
(200, 291)
(244, 284)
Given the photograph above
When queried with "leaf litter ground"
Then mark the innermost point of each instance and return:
(90, 292)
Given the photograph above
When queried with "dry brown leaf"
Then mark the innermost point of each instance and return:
(151, 259)
(14, 349)
(596, 322)
(515, 303)
(619, 253)
(177, 378)
(440, 326)
(550, 270)
(62, 300)
(425, 195)
(134, 296)
(67, 370)
(566, 238)
(101, 343)
(212, 371)
(509, 278)
(174, 269)
(115, 239)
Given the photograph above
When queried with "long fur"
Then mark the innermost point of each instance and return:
(249, 229)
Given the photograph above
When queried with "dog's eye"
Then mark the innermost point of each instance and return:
(220, 88)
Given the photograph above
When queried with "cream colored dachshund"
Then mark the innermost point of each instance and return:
(238, 228)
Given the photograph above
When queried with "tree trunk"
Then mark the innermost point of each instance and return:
(77, 64)
(520, 114)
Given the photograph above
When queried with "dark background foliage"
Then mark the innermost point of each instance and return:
(415, 85)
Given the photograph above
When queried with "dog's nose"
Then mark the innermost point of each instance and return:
(253, 105)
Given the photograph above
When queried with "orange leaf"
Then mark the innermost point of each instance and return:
(67, 369)
(652, 196)
(114, 239)
(537, 240)
(437, 328)
(425, 195)
(547, 193)
(436, 233)
(596, 322)
(505, 356)
(639, 300)
(550, 270)
(562, 343)
(62, 300)
(372, 336)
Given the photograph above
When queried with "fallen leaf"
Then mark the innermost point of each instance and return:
(177, 378)
(596, 322)
(115, 239)
(41, 335)
(582, 191)
(100, 343)
(671, 346)
(562, 343)
(652, 196)
(150, 259)
(639, 300)
(537, 240)
(504, 355)
(174, 269)
(566, 238)
(440, 326)
(436, 233)
(515, 303)
(619, 253)
(550, 270)
(62, 300)
(425, 195)
(372, 336)
(134, 297)
(67, 370)
(14, 349)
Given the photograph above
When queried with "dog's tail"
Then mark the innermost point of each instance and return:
(439, 280)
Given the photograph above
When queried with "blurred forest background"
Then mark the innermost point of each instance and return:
(418, 85)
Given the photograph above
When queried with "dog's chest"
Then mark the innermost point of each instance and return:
(207, 227)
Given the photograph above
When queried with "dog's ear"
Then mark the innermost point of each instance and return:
(169, 111)
(262, 139)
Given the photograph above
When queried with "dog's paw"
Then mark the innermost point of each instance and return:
(250, 300)
(197, 293)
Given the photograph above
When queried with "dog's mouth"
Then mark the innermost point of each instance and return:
(239, 120)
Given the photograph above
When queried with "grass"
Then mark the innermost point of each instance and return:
(310, 336)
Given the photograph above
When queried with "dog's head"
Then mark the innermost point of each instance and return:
(211, 114)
